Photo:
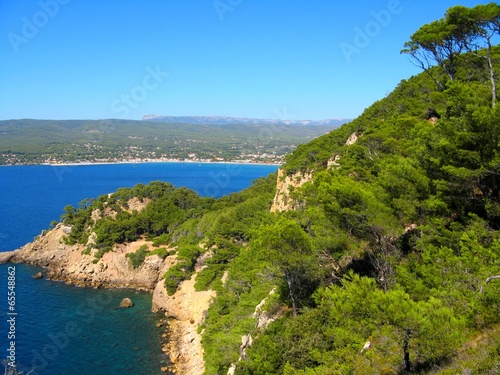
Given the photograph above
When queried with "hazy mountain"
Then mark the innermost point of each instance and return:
(223, 120)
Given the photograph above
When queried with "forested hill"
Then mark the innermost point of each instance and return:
(377, 251)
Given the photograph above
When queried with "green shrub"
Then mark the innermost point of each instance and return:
(186, 260)
(164, 239)
(161, 252)
(137, 258)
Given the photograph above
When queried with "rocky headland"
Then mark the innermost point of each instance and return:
(69, 263)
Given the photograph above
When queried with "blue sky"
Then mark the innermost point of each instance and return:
(95, 59)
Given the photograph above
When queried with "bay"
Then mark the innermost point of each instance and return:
(60, 329)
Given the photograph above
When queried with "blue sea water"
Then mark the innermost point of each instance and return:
(61, 329)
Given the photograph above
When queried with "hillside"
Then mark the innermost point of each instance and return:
(374, 250)
(83, 141)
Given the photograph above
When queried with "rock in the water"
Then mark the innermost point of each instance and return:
(38, 275)
(126, 302)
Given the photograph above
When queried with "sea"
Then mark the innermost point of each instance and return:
(50, 328)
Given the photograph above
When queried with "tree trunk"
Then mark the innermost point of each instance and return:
(492, 278)
(492, 78)
(406, 353)
(289, 281)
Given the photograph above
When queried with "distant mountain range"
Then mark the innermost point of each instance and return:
(222, 120)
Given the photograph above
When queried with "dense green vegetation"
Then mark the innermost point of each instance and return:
(78, 141)
(383, 268)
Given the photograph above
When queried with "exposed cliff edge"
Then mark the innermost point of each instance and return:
(285, 186)
(189, 308)
(68, 263)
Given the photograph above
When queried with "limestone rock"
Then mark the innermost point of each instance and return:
(285, 184)
(231, 370)
(66, 229)
(352, 139)
(333, 163)
(126, 302)
(6, 256)
(69, 263)
(38, 275)
(187, 306)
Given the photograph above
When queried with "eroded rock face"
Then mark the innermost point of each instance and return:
(333, 162)
(68, 263)
(352, 139)
(284, 186)
(188, 307)
(6, 256)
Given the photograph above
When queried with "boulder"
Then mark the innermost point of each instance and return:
(38, 275)
(126, 302)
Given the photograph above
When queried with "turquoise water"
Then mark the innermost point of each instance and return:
(61, 329)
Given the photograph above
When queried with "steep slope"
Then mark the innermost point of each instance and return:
(384, 234)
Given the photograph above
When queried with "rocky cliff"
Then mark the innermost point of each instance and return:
(69, 263)
(285, 186)
(189, 308)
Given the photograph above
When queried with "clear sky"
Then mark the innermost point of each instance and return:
(296, 59)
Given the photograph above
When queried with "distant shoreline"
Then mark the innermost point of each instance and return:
(141, 162)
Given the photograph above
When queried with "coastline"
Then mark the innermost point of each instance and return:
(152, 161)
(183, 312)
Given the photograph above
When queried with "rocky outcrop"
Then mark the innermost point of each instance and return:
(333, 163)
(68, 263)
(133, 204)
(285, 186)
(352, 139)
(264, 318)
(188, 308)
(7, 256)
